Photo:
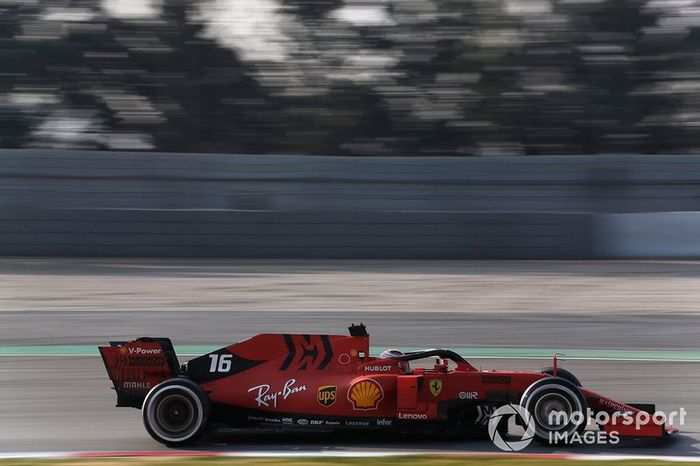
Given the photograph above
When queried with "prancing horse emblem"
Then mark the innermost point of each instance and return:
(435, 387)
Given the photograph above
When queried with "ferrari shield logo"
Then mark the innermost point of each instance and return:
(435, 386)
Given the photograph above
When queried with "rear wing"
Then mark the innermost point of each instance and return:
(136, 366)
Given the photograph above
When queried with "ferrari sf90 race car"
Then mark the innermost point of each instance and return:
(330, 382)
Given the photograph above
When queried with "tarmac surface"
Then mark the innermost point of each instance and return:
(583, 287)
(57, 403)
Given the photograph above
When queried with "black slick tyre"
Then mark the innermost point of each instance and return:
(175, 412)
(546, 400)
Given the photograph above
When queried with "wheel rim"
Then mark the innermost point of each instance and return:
(175, 414)
(548, 406)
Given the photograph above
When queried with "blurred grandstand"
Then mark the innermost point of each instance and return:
(353, 77)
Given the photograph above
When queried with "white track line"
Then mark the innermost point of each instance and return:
(334, 454)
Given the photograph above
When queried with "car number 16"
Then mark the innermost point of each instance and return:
(220, 362)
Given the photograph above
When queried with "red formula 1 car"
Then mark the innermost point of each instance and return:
(330, 382)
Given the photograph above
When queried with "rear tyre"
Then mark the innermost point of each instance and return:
(558, 409)
(175, 412)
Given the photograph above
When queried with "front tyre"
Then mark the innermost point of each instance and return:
(557, 408)
(175, 412)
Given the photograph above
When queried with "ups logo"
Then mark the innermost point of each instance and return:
(326, 395)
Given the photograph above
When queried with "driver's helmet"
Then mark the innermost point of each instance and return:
(391, 353)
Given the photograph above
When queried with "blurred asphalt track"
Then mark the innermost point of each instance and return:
(64, 403)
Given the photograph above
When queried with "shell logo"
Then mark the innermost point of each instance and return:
(365, 395)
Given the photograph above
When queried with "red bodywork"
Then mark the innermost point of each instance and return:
(330, 381)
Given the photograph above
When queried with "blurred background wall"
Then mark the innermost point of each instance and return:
(77, 203)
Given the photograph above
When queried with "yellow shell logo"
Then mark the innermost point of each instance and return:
(365, 395)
